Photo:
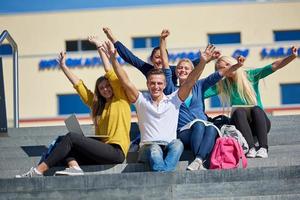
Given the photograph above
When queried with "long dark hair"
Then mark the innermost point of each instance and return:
(98, 101)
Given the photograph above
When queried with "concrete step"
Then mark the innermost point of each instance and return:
(237, 189)
(151, 185)
(280, 124)
(57, 130)
(291, 136)
(265, 197)
(288, 155)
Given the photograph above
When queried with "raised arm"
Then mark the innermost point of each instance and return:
(186, 88)
(130, 90)
(110, 35)
(163, 48)
(240, 63)
(69, 74)
(278, 64)
(94, 40)
(127, 55)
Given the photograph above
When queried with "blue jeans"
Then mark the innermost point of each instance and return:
(161, 157)
(199, 138)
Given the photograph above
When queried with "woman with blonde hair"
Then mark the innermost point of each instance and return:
(191, 129)
(110, 110)
(241, 89)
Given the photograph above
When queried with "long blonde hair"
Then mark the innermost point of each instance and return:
(244, 87)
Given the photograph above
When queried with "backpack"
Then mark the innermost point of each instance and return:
(219, 120)
(231, 131)
(226, 154)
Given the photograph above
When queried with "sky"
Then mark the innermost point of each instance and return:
(25, 6)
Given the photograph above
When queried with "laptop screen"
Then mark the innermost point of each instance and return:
(73, 125)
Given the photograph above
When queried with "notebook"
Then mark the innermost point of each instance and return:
(73, 126)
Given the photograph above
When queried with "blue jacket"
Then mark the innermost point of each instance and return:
(197, 106)
(144, 67)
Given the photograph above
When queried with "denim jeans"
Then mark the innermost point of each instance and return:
(199, 138)
(161, 157)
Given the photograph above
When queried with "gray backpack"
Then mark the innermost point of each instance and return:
(231, 131)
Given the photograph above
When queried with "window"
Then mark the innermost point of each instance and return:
(72, 45)
(224, 38)
(80, 45)
(290, 93)
(71, 103)
(87, 46)
(5, 49)
(287, 35)
(145, 42)
(215, 102)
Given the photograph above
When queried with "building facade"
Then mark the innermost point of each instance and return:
(262, 31)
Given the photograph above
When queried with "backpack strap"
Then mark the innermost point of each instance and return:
(241, 154)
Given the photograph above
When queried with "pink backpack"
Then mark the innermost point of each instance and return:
(226, 154)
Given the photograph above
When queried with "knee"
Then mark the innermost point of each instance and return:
(155, 149)
(211, 133)
(176, 145)
(72, 136)
(257, 110)
(197, 126)
(239, 113)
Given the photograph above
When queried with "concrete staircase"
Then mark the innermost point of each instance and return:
(277, 177)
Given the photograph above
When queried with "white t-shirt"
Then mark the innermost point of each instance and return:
(158, 122)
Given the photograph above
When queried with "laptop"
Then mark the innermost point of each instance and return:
(73, 126)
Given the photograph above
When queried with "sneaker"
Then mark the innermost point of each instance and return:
(197, 164)
(69, 172)
(251, 153)
(262, 153)
(31, 173)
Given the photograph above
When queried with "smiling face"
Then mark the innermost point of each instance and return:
(224, 63)
(156, 59)
(183, 69)
(105, 89)
(156, 83)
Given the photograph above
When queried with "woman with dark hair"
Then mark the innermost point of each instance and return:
(141, 65)
(110, 110)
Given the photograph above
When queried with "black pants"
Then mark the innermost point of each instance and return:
(256, 123)
(86, 151)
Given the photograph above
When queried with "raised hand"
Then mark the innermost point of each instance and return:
(240, 60)
(62, 59)
(164, 34)
(216, 54)
(109, 34)
(109, 49)
(62, 63)
(94, 40)
(294, 51)
(207, 54)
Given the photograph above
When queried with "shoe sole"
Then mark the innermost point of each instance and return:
(68, 174)
(261, 157)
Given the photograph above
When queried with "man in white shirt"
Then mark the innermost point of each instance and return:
(158, 113)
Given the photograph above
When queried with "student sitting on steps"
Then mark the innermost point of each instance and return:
(110, 110)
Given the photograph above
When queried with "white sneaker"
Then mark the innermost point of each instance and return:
(251, 153)
(69, 172)
(197, 164)
(262, 153)
(31, 173)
